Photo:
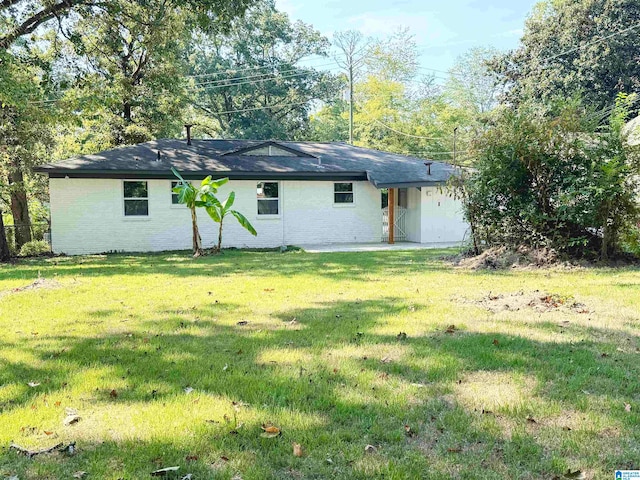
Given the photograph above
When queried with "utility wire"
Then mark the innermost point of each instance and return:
(254, 68)
(222, 80)
(407, 134)
(580, 47)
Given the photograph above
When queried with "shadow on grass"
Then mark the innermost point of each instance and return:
(339, 266)
(325, 381)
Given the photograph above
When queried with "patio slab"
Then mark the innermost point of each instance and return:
(374, 247)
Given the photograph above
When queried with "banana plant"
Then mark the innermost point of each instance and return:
(218, 210)
(196, 197)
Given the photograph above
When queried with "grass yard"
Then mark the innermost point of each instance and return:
(493, 380)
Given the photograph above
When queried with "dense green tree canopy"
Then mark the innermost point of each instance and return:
(587, 48)
(248, 82)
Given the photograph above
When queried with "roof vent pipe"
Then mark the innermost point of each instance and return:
(428, 165)
(188, 127)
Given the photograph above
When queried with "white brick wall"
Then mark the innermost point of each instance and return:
(87, 217)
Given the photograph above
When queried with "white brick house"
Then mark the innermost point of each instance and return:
(294, 193)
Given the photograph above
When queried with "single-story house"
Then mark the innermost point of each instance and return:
(294, 193)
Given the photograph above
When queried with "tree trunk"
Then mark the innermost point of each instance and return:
(5, 256)
(126, 110)
(219, 248)
(197, 241)
(19, 208)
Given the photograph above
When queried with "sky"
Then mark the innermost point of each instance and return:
(444, 29)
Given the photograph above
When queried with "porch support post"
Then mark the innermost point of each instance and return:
(392, 215)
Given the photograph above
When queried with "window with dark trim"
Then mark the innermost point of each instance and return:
(268, 198)
(174, 195)
(343, 192)
(136, 199)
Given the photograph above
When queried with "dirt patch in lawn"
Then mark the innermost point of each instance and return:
(500, 258)
(537, 300)
(39, 283)
(503, 258)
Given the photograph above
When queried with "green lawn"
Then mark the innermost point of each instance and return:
(513, 391)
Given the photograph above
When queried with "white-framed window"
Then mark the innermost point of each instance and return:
(268, 195)
(343, 192)
(136, 198)
(174, 196)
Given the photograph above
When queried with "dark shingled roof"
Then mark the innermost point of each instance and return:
(329, 161)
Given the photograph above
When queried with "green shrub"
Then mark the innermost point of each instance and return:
(33, 248)
(631, 241)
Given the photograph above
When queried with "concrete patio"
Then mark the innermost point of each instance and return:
(374, 247)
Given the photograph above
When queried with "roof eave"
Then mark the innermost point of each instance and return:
(232, 175)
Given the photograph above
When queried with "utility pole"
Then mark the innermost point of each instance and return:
(455, 137)
(354, 50)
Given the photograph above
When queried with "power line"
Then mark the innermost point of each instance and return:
(407, 134)
(255, 68)
(222, 80)
(274, 77)
(274, 106)
(580, 47)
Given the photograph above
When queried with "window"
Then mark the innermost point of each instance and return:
(343, 192)
(174, 195)
(268, 199)
(136, 199)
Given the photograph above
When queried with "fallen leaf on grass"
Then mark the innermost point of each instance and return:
(496, 342)
(370, 449)
(113, 394)
(33, 384)
(164, 471)
(297, 450)
(454, 450)
(450, 329)
(71, 419)
(385, 360)
(566, 429)
(408, 431)
(530, 419)
(627, 407)
(188, 390)
(270, 431)
(401, 336)
(242, 323)
(79, 474)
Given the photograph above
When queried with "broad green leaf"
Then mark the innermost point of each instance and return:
(229, 201)
(205, 181)
(216, 184)
(242, 220)
(175, 172)
(214, 213)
